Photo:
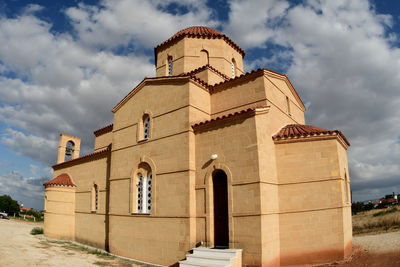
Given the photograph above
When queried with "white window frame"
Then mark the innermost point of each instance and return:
(145, 185)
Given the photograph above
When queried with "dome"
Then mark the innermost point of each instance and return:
(199, 32)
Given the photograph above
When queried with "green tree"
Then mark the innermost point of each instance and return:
(9, 205)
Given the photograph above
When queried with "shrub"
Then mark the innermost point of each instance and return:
(37, 231)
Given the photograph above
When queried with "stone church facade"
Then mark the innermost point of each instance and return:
(206, 155)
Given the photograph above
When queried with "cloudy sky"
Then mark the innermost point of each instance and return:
(65, 64)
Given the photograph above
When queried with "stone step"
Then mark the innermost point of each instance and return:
(212, 259)
(188, 263)
(210, 252)
(207, 257)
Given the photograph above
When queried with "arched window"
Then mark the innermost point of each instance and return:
(204, 58)
(146, 126)
(170, 67)
(69, 150)
(288, 105)
(144, 189)
(233, 68)
(95, 198)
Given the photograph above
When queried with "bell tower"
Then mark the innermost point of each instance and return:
(68, 148)
(195, 47)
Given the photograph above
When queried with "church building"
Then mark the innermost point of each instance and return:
(206, 165)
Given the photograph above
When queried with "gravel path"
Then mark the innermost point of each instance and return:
(379, 243)
(21, 249)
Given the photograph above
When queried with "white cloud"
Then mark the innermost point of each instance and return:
(63, 83)
(26, 190)
(342, 61)
(251, 23)
(142, 23)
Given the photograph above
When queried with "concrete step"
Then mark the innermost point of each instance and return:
(186, 263)
(212, 259)
(207, 257)
(211, 251)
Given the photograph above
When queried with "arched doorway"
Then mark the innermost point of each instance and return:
(221, 219)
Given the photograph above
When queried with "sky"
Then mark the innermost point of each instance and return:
(65, 64)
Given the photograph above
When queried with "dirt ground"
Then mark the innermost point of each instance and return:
(379, 250)
(19, 248)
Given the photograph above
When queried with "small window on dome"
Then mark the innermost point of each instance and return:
(233, 68)
(170, 67)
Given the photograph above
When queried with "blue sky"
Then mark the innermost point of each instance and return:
(64, 65)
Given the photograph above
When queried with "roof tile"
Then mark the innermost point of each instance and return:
(62, 179)
(200, 32)
(300, 130)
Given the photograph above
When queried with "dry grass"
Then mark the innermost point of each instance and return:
(376, 221)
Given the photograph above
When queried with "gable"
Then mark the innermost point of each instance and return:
(283, 84)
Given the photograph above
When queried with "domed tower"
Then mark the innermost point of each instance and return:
(195, 47)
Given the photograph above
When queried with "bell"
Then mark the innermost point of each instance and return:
(68, 151)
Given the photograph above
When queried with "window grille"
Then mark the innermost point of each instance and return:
(233, 65)
(170, 63)
(144, 197)
(140, 193)
(146, 127)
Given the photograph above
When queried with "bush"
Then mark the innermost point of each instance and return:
(37, 231)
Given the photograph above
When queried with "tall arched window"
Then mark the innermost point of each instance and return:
(69, 150)
(204, 58)
(95, 198)
(146, 126)
(170, 67)
(288, 106)
(144, 189)
(233, 68)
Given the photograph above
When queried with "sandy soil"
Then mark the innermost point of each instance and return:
(19, 248)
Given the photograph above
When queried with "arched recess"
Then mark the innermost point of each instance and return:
(142, 187)
(347, 188)
(204, 58)
(210, 233)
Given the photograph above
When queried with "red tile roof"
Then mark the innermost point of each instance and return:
(200, 69)
(248, 110)
(103, 130)
(300, 130)
(86, 157)
(62, 179)
(200, 32)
